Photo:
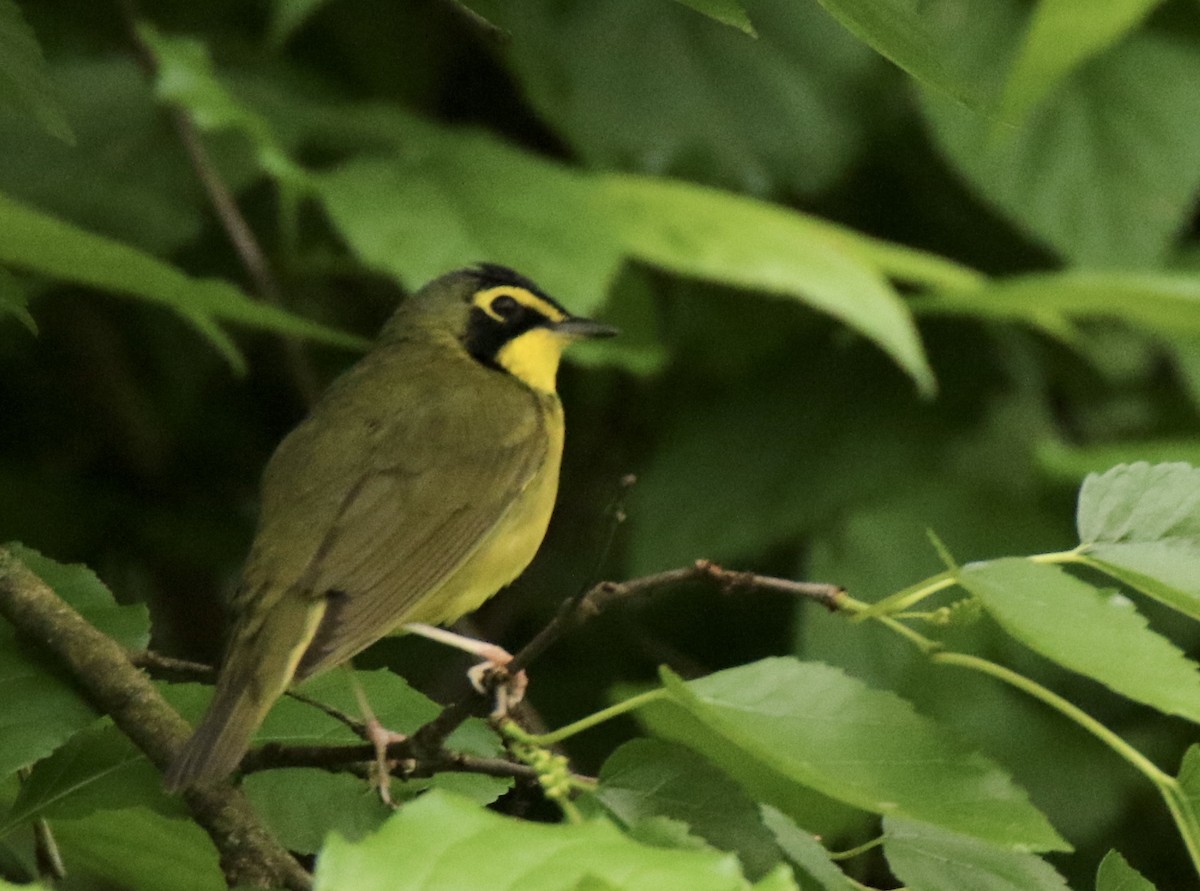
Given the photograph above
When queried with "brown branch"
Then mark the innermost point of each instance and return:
(245, 243)
(574, 611)
(249, 855)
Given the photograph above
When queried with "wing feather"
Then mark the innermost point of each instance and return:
(373, 505)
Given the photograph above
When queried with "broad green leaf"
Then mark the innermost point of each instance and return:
(451, 200)
(734, 240)
(727, 12)
(1140, 523)
(869, 748)
(1115, 874)
(788, 113)
(24, 83)
(40, 243)
(301, 805)
(186, 78)
(920, 38)
(442, 841)
(1103, 171)
(98, 770)
(933, 858)
(807, 854)
(647, 778)
(1162, 302)
(1062, 35)
(1101, 636)
(170, 853)
(40, 707)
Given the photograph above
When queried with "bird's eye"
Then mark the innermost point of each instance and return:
(505, 306)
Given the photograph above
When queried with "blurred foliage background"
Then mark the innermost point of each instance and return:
(1021, 178)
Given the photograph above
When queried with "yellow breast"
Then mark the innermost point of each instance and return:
(511, 545)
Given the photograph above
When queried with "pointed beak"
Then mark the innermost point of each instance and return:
(576, 327)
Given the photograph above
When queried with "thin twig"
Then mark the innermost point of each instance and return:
(576, 610)
(245, 244)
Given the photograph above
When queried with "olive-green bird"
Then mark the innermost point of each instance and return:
(420, 484)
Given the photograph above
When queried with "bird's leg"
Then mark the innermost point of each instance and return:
(494, 660)
(379, 737)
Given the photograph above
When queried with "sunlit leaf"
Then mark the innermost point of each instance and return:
(442, 841)
(869, 748)
(1062, 35)
(1140, 523)
(1086, 630)
(739, 241)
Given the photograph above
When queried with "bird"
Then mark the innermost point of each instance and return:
(419, 485)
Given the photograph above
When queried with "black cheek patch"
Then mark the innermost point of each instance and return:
(485, 336)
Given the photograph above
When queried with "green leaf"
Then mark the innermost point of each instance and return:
(288, 16)
(125, 177)
(806, 853)
(1189, 776)
(185, 77)
(302, 805)
(647, 778)
(40, 706)
(1139, 523)
(98, 770)
(788, 113)
(24, 83)
(727, 12)
(13, 301)
(932, 858)
(922, 41)
(739, 241)
(869, 748)
(1103, 171)
(452, 201)
(444, 841)
(170, 853)
(1071, 623)
(1161, 302)
(1062, 35)
(40, 243)
(1115, 874)
(1069, 463)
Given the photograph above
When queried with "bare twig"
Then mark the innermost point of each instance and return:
(249, 855)
(251, 254)
(576, 610)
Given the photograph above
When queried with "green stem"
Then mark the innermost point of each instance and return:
(613, 711)
(855, 851)
(1168, 787)
(909, 597)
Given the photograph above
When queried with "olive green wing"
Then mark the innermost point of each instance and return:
(402, 534)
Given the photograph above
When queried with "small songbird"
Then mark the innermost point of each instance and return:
(421, 483)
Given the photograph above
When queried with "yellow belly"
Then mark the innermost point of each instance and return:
(509, 548)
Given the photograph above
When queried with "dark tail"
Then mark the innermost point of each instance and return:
(222, 737)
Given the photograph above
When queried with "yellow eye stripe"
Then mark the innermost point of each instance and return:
(484, 299)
